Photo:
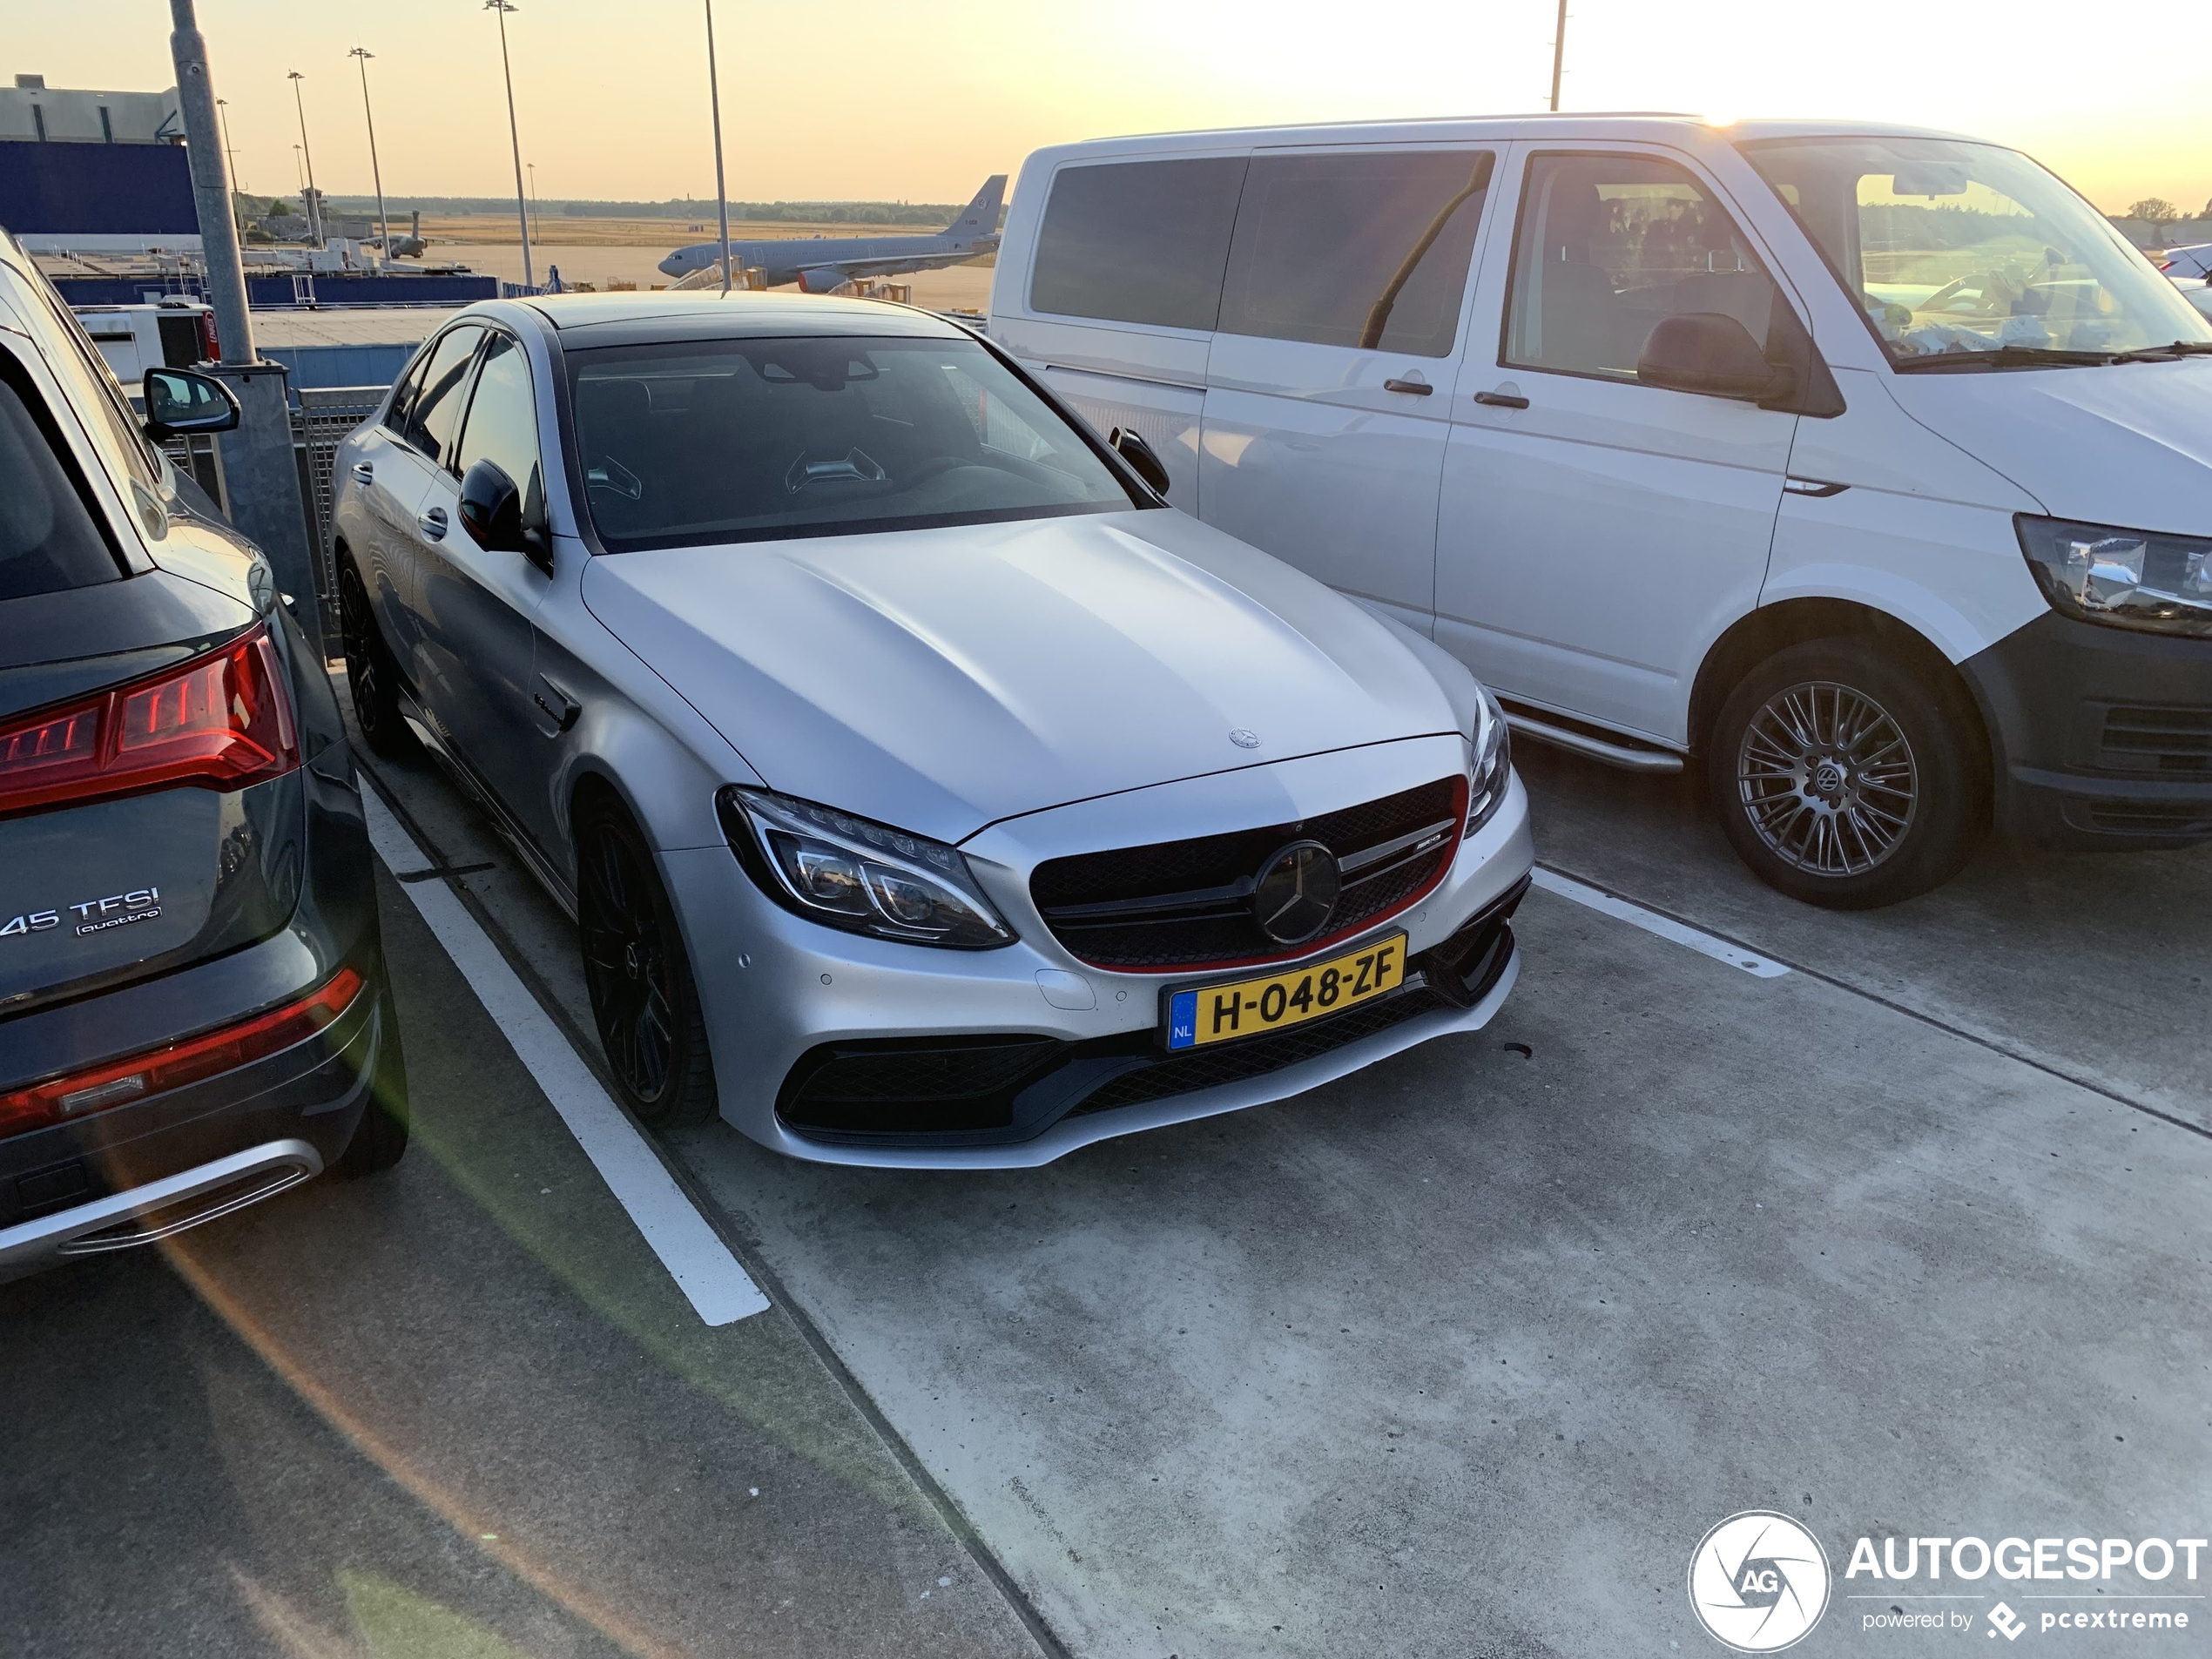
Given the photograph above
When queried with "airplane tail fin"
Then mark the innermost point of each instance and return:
(980, 217)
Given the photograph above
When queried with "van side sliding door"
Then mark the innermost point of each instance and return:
(1328, 390)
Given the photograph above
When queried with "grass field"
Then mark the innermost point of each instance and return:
(662, 234)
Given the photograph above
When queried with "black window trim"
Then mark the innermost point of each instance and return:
(493, 330)
(483, 327)
(1727, 204)
(18, 380)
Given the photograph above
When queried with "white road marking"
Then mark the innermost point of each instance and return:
(1665, 926)
(701, 1263)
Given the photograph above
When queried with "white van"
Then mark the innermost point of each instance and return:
(1869, 465)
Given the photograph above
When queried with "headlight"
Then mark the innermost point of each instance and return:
(2161, 584)
(1490, 763)
(866, 878)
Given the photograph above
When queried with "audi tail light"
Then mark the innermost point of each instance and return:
(222, 720)
(118, 1083)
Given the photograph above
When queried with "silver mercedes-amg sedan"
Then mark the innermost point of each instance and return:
(926, 790)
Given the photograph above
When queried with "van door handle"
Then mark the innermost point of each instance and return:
(1501, 400)
(364, 473)
(1417, 388)
(433, 524)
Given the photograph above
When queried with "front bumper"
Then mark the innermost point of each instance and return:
(777, 987)
(2103, 735)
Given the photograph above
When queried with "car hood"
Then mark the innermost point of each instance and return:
(943, 679)
(2128, 443)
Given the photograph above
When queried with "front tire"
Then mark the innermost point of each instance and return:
(372, 672)
(644, 999)
(1844, 779)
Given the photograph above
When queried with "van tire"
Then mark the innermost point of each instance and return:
(372, 672)
(1845, 778)
(645, 1002)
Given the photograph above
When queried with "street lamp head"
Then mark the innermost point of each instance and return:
(500, 5)
(362, 52)
(295, 75)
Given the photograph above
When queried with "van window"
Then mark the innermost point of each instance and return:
(1609, 245)
(1366, 250)
(1138, 241)
(49, 539)
(430, 419)
(1955, 250)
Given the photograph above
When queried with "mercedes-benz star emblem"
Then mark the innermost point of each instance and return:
(1245, 739)
(1297, 892)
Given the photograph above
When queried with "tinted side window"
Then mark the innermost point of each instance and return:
(403, 399)
(1366, 250)
(1138, 241)
(47, 539)
(437, 405)
(1608, 246)
(502, 423)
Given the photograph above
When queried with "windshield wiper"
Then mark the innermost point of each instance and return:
(2166, 354)
(2004, 357)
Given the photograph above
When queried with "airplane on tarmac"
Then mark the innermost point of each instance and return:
(820, 263)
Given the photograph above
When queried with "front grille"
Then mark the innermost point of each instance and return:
(1185, 904)
(2166, 740)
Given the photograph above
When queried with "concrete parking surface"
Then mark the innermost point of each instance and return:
(1461, 1355)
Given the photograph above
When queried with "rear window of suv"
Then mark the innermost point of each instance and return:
(49, 538)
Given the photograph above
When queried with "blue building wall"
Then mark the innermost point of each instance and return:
(96, 190)
(317, 365)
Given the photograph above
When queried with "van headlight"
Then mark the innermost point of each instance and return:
(1489, 763)
(863, 877)
(2160, 585)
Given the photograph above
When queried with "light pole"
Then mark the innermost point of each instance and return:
(514, 137)
(721, 190)
(229, 155)
(314, 198)
(536, 210)
(383, 223)
(1558, 54)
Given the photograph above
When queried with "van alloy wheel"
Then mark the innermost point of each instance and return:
(1828, 778)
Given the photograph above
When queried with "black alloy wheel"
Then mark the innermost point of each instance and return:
(372, 674)
(643, 996)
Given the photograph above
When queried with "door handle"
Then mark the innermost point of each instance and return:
(433, 524)
(364, 473)
(1415, 389)
(1501, 400)
(1818, 488)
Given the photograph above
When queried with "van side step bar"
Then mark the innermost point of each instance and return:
(1627, 756)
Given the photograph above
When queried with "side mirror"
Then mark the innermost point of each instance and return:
(491, 511)
(183, 400)
(1142, 461)
(1704, 351)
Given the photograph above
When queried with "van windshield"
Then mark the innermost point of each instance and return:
(1965, 254)
(752, 440)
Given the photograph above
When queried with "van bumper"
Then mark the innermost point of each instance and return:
(2102, 735)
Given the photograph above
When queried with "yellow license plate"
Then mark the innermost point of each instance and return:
(1249, 1008)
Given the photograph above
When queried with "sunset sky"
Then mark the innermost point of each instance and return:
(918, 102)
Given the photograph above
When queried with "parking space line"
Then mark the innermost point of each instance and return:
(1651, 922)
(717, 1285)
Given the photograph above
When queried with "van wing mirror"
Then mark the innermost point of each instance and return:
(1707, 352)
(1142, 461)
(179, 400)
(491, 511)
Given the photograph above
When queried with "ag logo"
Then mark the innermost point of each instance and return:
(1758, 1582)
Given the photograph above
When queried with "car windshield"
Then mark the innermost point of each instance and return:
(1958, 252)
(753, 439)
